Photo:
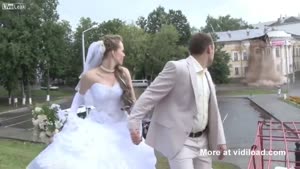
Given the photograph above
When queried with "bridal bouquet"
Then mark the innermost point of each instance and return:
(47, 121)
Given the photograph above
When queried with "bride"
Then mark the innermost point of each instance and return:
(102, 139)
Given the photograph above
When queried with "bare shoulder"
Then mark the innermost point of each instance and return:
(126, 71)
(87, 80)
(85, 77)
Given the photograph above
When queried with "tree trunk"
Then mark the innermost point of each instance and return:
(23, 93)
(9, 97)
(48, 85)
(29, 92)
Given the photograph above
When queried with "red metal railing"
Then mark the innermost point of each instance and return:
(276, 145)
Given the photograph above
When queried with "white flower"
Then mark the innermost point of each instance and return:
(58, 124)
(38, 109)
(56, 131)
(55, 107)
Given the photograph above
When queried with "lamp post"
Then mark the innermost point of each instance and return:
(83, 46)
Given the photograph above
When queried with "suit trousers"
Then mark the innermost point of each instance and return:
(191, 155)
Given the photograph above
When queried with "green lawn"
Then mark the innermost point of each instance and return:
(246, 92)
(16, 155)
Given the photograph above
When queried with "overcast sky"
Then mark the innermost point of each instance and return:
(252, 11)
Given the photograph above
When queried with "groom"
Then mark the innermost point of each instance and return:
(186, 119)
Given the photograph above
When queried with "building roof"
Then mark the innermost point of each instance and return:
(239, 35)
(289, 28)
(289, 24)
(285, 20)
(276, 33)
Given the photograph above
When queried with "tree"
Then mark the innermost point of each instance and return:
(75, 66)
(177, 19)
(163, 47)
(19, 31)
(219, 70)
(158, 17)
(142, 22)
(136, 43)
(155, 20)
(224, 23)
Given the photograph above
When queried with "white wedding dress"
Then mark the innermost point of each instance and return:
(100, 141)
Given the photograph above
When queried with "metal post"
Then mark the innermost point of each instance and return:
(83, 50)
(287, 73)
(297, 155)
(83, 46)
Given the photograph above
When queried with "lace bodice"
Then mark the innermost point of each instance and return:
(107, 102)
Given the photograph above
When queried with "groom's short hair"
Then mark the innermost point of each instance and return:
(199, 42)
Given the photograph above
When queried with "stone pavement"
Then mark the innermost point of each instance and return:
(17, 134)
(277, 108)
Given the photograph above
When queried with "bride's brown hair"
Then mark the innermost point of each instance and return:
(111, 43)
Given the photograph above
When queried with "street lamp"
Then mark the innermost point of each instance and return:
(83, 46)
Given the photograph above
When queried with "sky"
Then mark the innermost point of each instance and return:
(196, 11)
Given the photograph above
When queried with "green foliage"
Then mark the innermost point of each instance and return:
(136, 43)
(224, 23)
(158, 17)
(220, 69)
(163, 47)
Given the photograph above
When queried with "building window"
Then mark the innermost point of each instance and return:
(235, 56)
(268, 51)
(258, 51)
(236, 71)
(277, 52)
(245, 56)
(278, 68)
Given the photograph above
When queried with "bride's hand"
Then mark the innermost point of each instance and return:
(135, 137)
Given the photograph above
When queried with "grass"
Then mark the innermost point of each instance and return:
(247, 92)
(17, 155)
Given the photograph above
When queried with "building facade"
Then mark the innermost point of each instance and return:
(261, 57)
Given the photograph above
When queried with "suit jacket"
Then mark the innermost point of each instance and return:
(172, 95)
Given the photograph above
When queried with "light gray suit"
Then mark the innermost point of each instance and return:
(172, 95)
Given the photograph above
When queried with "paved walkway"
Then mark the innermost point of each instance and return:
(276, 107)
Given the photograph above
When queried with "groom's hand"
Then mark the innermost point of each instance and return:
(222, 148)
(135, 137)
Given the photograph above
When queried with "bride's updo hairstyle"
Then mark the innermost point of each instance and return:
(111, 43)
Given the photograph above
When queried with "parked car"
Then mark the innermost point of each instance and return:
(51, 87)
(140, 83)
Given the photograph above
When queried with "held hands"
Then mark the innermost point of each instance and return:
(135, 136)
(222, 148)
